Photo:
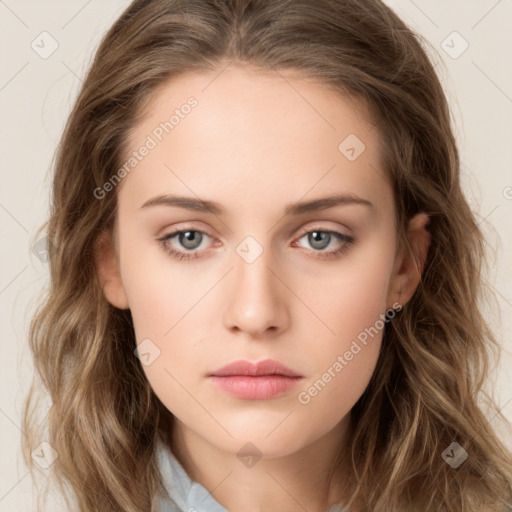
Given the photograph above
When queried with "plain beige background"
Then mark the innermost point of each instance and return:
(36, 94)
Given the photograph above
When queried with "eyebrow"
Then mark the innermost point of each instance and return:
(205, 206)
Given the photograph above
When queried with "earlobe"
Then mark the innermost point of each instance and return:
(108, 271)
(410, 264)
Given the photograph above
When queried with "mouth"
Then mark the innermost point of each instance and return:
(255, 381)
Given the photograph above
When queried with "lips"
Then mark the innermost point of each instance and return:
(255, 381)
(266, 367)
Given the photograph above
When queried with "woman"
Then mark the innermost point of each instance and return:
(264, 274)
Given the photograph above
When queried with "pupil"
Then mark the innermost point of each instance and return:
(320, 237)
(189, 239)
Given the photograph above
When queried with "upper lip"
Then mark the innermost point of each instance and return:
(266, 367)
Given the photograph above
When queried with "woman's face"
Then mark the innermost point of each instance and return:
(288, 254)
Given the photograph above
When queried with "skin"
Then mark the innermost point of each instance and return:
(255, 143)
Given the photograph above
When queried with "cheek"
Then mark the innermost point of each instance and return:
(168, 304)
(160, 290)
(347, 298)
(329, 396)
(352, 307)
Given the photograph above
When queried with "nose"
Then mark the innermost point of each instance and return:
(257, 298)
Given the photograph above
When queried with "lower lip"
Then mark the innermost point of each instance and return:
(262, 387)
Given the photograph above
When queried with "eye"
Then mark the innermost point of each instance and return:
(189, 239)
(187, 243)
(320, 239)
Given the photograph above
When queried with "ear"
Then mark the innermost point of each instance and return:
(107, 269)
(409, 264)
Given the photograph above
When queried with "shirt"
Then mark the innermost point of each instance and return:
(181, 493)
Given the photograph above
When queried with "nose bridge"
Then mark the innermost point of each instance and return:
(257, 301)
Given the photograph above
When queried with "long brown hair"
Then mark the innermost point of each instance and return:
(427, 389)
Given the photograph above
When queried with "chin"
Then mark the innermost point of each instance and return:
(266, 434)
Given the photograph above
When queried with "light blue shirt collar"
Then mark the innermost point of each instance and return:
(183, 495)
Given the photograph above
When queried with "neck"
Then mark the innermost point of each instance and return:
(310, 478)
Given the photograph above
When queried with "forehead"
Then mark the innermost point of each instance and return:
(250, 135)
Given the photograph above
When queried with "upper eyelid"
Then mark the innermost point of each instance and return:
(175, 232)
(322, 228)
(316, 225)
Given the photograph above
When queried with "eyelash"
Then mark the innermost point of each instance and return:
(183, 255)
